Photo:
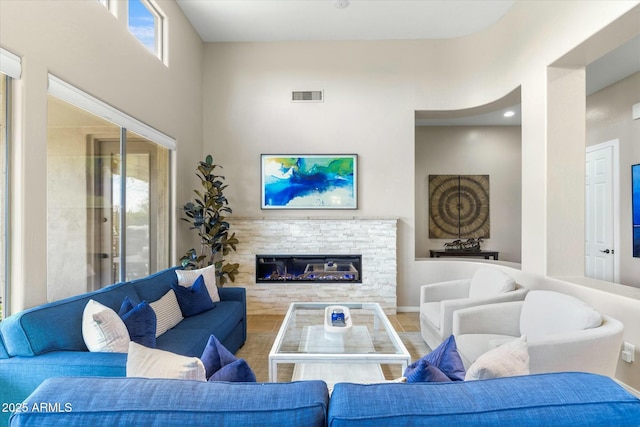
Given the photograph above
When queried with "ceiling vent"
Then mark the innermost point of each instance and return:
(307, 96)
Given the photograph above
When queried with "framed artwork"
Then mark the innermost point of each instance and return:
(309, 181)
(459, 206)
(635, 197)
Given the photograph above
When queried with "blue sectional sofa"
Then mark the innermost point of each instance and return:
(558, 399)
(46, 341)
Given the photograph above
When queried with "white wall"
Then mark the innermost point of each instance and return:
(472, 150)
(608, 118)
(372, 91)
(84, 44)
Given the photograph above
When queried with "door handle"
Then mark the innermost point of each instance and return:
(606, 251)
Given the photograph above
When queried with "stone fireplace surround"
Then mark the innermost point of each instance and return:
(373, 238)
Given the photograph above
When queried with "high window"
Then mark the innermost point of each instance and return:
(107, 196)
(145, 22)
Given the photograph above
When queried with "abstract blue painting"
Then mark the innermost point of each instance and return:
(315, 181)
(635, 197)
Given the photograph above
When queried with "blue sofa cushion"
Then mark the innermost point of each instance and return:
(57, 325)
(141, 322)
(3, 349)
(167, 403)
(20, 375)
(567, 399)
(190, 336)
(194, 299)
(154, 286)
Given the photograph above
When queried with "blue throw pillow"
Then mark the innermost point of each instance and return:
(422, 372)
(194, 299)
(221, 365)
(140, 320)
(446, 358)
(236, 371)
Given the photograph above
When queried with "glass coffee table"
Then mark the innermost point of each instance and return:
(352, 355)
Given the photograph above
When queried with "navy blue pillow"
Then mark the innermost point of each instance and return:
(446, 358)
(236, 371)
(141, 322)
(194, 299)
(221, 365)
(423, 372)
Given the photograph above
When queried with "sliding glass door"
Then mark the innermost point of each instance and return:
(107, 213)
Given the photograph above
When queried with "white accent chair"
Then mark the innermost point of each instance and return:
(438, 301)
(563, 333)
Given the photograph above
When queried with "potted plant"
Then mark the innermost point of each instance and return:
(206, 214)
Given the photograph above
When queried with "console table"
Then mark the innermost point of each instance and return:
(435, 253)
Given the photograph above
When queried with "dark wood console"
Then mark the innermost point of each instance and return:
(435, 253)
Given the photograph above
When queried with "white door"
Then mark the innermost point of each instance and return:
(600, 212)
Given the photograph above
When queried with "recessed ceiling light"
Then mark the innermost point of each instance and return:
(509, 114)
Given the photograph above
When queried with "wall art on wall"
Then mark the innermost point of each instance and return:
(459, 206)
(314, 181)
(635, 190)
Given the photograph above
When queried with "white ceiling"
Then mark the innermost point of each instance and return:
(288, 20)
(306, 20)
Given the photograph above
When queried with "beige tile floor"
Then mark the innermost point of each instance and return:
(402, 322)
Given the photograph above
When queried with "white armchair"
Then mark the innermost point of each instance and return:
(563, 333)
(438, 301)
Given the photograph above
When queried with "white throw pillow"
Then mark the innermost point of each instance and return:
(148, 362)
(188, 277)
(508, 360)
(103, 330)
(167, 311)
(490, 281)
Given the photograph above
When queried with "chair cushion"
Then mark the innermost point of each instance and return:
(431, 312)
(547, 313)
(490, 281)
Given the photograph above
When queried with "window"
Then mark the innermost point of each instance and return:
(3, 190)
(107, 195)
(145, 23)
(10, 68)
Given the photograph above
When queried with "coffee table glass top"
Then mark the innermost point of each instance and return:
(303, 339)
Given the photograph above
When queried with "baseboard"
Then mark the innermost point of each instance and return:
(408, 309)
(630, 389)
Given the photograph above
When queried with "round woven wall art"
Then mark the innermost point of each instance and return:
(458, 206)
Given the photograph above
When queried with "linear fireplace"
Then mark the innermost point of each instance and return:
(308, 268)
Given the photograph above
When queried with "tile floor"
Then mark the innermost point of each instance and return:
(402, 322)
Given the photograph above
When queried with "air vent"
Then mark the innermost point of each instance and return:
(307, 96)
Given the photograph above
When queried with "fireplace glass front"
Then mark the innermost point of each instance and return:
(308, 268)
